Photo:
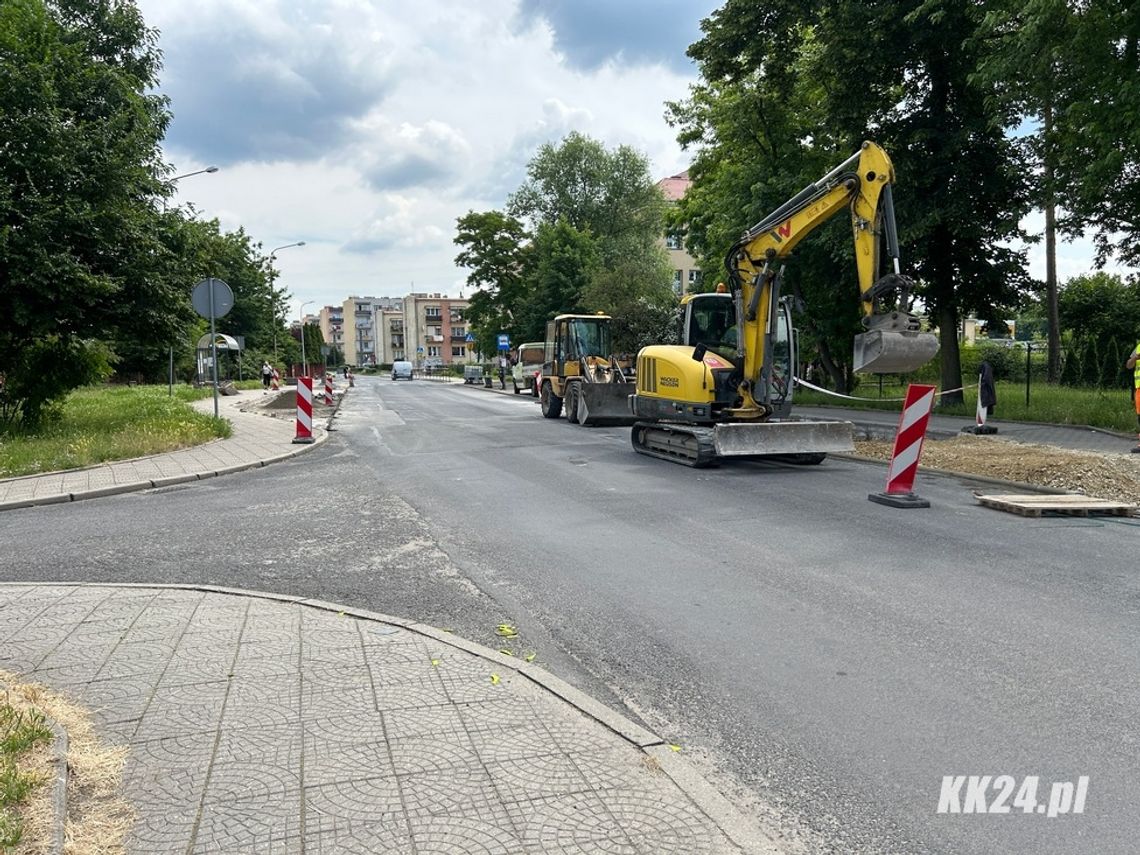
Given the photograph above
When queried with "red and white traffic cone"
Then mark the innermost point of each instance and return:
(909, 438)
(304, 410)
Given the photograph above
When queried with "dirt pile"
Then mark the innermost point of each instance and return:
(1106, 476)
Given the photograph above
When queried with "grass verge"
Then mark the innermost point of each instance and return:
(1104, 408)
(98, 424)
(21, 731)
(98, 818)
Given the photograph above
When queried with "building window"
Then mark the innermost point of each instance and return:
(458, 351)
(694, 278)
(431, 311)
(673, 241)
(676, 281)
(433, 351)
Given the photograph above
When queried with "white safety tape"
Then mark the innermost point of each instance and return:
(812, 386)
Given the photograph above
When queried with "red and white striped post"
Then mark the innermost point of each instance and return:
(304, 410)
(909, 437)
(328, 389)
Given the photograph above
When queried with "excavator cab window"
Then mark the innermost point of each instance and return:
(783, 355)
(712, 322)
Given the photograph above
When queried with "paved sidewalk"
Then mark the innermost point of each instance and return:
(257, 439)
(260, 724)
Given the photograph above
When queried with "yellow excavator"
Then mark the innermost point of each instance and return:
(727, 391)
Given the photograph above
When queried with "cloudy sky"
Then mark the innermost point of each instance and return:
(366, 127)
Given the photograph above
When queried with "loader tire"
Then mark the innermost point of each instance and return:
(550, 403)
(573, 393)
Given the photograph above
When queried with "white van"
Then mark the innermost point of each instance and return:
(401, 368)
(525, 371)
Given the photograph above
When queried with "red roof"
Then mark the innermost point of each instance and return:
(675, 186)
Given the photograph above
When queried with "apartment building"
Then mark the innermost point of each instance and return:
(364, 333)
(435, 329)
(331, 321)
(686, 273)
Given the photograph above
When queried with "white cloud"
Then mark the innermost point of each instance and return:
(365, 128)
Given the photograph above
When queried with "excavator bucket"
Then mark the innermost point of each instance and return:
(605, 404)
(893, 352)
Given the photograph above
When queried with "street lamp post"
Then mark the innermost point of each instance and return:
(210, 169)
(304, 359)
(272, 302)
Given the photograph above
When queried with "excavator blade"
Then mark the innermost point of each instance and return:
(893, 352)
(605, 404)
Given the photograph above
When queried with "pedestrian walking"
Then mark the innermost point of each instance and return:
(503, 371)
(266, 374)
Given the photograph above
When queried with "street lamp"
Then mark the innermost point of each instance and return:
(210, 169)
(304, 359)
(272, 302)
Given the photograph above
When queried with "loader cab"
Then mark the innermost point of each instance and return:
(572, 338)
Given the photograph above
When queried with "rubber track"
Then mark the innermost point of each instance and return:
(687, 445)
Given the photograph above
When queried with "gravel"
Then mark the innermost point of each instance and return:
(1105, 476)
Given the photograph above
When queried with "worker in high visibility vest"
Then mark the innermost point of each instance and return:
(1132, 363)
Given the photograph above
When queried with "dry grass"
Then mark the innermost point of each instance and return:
(98, 818)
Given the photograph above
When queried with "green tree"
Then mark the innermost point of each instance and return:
(81, 247)
(899, 72)
(610, 196)
(1027, 65)
(493, 249)
(1097, 142)
(562, 266)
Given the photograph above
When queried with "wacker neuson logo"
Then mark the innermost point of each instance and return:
(1001, 794)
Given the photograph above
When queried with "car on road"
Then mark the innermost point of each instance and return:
(401, 369)
(527, 367)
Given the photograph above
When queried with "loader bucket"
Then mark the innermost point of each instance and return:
(892, 352)
(604, 404)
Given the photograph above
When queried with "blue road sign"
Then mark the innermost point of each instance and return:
(504, 341)
(470, 338)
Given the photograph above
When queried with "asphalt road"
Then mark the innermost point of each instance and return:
(826, 660)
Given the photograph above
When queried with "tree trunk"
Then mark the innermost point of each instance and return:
(950, 356)
(1054, 370)
(835, 372)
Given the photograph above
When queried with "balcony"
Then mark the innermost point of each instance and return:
(433, 339)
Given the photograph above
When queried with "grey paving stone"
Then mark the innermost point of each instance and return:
(272, 824)
(367, 800)
(576, 824)
(460, 790)
(346, 762)
(279, 745)
(536, 777)
(432, 753)
(458, 835)
(424, 721)
(162, 829)
(258, 726)
(257, 779)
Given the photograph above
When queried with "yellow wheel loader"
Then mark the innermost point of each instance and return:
(580, 374)
(727, 391)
